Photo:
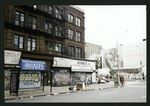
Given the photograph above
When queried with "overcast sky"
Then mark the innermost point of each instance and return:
(105, 23)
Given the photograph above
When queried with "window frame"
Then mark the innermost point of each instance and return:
(31, 44)
(71, 34)
(32, 22)
(19, 42)
(58, 31)
(49, 27)
(58, 51)
(20, 15)
(58, 13)
(78, 54)
(78, 36)
(70, 18)
(71, 51)
(78, 21)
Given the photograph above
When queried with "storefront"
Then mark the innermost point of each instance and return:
(72, 70)
(29, 76)
(11, 61)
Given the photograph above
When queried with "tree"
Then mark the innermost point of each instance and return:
(98, 63)
(112, 72)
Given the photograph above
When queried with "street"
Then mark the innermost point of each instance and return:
(131, 92)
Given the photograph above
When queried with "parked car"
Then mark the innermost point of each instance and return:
(103, 78)
(103, 81)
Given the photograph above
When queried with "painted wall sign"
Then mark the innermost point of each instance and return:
(29, 79)
(11, 57)
(32, 65)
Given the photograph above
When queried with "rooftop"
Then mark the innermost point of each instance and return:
(77, 8)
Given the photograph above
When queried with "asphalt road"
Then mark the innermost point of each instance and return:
(131, 92)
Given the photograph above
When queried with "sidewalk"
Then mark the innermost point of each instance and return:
(55, 91)
(58, 90)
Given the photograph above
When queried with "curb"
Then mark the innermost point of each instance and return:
(58, 93)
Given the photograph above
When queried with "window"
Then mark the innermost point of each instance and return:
(32, 22)
(71, 51)
(59, 13)
(70, 18)
(46, 8)
(31, 44)
(58, 48)
(48, 27)
(50, 9)
(50, 44)
(19, 19)
(58, 31)
(78, 52)
(78, 20)
(18, 42)
(70, 34)
(78, 36)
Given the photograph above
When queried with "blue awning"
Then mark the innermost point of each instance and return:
(32, 65)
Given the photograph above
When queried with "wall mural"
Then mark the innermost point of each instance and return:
(30, 79)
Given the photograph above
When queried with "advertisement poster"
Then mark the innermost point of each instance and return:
(13, 84)
(30, 79)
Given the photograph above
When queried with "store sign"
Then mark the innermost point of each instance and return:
(11, 57)
(32, 65)
(29, 79)
(86, 66)
(61, 62)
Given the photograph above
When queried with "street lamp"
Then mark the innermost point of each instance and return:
(118, 53)
(140, 59)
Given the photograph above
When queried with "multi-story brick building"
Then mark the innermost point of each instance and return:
(42, 32)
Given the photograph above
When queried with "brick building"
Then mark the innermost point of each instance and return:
(42, 32)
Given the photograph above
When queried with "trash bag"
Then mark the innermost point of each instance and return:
(71, 88)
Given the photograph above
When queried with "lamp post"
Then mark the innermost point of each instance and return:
(51, 80)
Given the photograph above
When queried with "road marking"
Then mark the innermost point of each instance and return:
(109, 93)
(144, 97)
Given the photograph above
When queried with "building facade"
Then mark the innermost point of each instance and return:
(92, 50)
(42, 32)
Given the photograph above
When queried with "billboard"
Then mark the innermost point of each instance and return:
(110, 58)
(11, 57)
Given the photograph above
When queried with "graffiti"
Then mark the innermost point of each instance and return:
(13, 82)
(80, 77)
(29, 79)
(7, 79)
(62, 77)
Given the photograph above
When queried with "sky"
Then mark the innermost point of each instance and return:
(109, 25)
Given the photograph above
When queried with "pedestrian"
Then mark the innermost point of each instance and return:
(122, 80)
(88, 81)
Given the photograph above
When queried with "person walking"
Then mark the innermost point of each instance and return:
(122, 80)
